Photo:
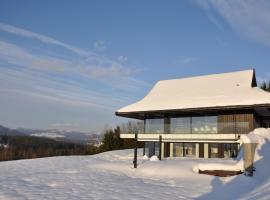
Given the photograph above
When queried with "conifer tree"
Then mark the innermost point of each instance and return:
(264, 86)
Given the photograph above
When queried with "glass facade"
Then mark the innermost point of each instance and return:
(224, 124)
(189, 149)
(230, 150)
(180, 125)
(205, 124)
(223, 150)
(214, 150)
(151, 148)
(184, 149)
(154, 126)
(178, 150)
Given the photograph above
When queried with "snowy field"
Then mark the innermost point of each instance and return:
(111, 175)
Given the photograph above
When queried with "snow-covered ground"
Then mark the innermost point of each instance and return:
(111, 175)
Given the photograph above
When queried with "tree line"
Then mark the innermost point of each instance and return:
(28, 147)
(265, 86)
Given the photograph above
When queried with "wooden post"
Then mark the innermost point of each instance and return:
(143, 148)
(160, 147)
(135, 149)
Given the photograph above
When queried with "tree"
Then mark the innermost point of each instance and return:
(264, 86)
(112, 141)
(268, 86)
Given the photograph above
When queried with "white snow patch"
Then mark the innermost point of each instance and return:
(259, 136)
(145, 157)
(48, 135)
(154, 159)
(111, 175)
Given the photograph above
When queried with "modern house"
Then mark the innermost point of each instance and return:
(201, 116)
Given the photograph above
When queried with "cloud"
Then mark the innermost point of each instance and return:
(41, 85)
(13, 54)
(189, 59)
(122, 59)
(185, 60)
(45, 39)
(98, 68)
(115, 72)
(248, 18)
(100, 45)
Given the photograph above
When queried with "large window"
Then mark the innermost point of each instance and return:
(205, 124)
(214, 150)
(230, 150)
(184, 149)
(200, 124)
(189, 149)
(155, 126)
(180, 125)
(151, 148)
(178, 150)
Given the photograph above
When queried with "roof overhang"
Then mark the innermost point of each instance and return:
(194, 111)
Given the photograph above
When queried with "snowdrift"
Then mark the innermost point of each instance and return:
(261, 137)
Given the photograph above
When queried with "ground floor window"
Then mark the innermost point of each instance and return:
(230, 150)
(223, 150)
(184, 149)
(214, 150)
(151, 148)
(189, 149)
(178, 150)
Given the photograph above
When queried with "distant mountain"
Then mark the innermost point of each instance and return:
(10, 132)
(62, 135)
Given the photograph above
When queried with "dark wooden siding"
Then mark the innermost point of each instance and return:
(235, 123)
(226, 124)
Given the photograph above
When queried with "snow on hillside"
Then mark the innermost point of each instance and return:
(48, 135)
(111, 175)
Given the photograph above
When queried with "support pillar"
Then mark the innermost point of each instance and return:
(160, 147)
(143, 148)
(135, 150)
(162, 150)
(197, 150)
(171, 150)
(206, 150)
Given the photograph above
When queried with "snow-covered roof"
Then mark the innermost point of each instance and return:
(209, 91)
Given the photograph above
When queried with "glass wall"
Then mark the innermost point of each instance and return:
(178, 150)
(184, 149)
(223, 150)
(189, 149)
(230, 150)
(214, 150)
(205, 124)
(180, 125)
(151, 148)
(201, 124)
(154, 126)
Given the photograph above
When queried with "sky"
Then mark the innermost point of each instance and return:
(71, 64)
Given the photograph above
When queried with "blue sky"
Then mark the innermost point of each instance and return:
(71, 64)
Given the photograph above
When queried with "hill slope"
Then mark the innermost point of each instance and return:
(111, 175)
